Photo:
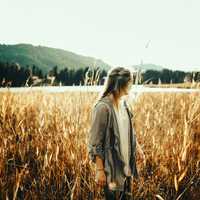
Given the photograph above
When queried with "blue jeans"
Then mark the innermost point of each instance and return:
(119, 195)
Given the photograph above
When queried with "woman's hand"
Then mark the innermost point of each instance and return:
(100, 173)
(100, 177)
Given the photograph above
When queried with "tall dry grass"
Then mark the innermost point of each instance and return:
(43, 152)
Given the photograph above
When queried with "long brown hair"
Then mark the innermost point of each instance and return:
(117, 79)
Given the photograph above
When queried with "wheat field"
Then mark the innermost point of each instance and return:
(43, 151)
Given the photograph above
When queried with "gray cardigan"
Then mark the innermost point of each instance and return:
(104, 141)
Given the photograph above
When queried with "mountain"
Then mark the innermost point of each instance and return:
(45, 57)
(149, 66)
(186, 69)
(146, 66)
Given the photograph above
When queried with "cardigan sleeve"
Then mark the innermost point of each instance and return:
(97, 131)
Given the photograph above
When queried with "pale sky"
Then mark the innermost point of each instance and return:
(115, 31)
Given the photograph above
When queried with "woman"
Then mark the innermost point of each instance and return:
(112, 140)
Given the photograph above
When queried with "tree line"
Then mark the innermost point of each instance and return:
(14, 75)
(167, 76)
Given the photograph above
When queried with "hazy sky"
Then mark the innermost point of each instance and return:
(115, 31)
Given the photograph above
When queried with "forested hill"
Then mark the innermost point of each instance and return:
(148, 66)
(45, 57)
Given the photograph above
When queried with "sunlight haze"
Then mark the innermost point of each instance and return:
(118, 32)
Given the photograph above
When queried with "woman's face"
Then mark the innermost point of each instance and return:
(127, 88)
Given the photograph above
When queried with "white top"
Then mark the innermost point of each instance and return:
(123, 123)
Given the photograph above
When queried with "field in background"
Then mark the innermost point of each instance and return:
(176, 85)
(43, 152)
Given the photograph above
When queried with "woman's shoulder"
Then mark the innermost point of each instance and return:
(101, 106)
(101, 112)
